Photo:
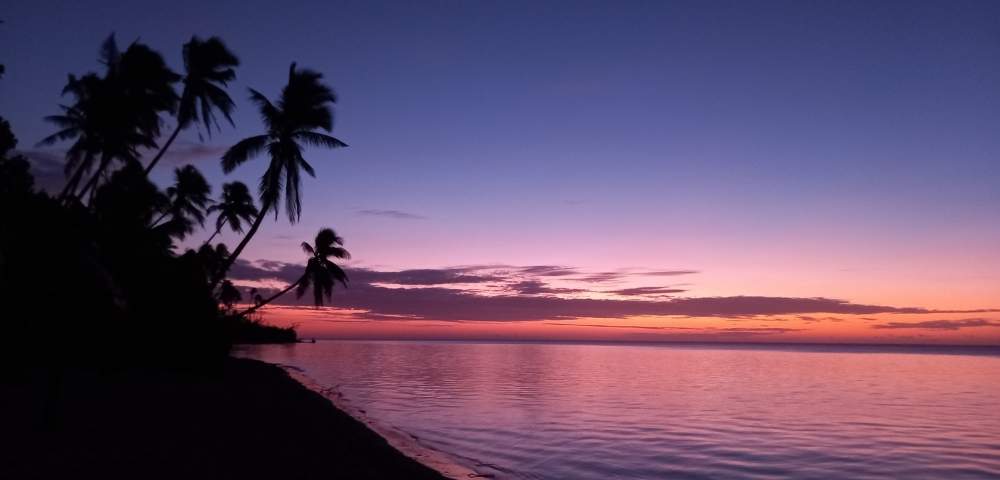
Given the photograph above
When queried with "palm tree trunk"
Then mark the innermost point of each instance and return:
(163, 150)
(71, 185)
(243, 244)
(105, 161)
(272, 297)
(158, 219)
(209, 241)
(217, 230)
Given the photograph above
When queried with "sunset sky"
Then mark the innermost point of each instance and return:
(704, 170)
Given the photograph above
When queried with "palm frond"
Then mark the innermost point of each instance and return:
(243, 151)
(336, 272)
(316, 139)
(268, 112)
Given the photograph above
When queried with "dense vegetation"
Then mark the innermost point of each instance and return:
(94, 274)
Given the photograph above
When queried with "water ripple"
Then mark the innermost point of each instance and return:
(532, 411)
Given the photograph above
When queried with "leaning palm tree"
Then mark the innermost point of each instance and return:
(235, 207)
(189, 197)
(303, 108)
(209, 68)
(321, 274)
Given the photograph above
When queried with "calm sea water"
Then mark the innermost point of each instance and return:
(560, 411)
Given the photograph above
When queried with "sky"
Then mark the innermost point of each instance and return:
(704, 170)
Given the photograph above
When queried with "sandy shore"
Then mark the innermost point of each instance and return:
(246, 420)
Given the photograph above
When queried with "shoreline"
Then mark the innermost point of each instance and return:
(244, 419)
(403, 442)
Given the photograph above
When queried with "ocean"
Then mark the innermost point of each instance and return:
(659, 411)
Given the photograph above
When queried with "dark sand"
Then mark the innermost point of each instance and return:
(250, 420)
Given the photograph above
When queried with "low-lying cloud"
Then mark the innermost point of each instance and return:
(522, 294)
(940, 324)
(646, 291)
(394, 214)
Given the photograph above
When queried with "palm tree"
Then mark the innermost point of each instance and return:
(229, 295)
(209, 69)
(81, 122)
(115, 115)
(255, 296)
(321, 274)
(303, 108)
(235, 207)
(189, 197)
(211, 259)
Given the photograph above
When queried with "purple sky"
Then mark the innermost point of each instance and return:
(831, 149)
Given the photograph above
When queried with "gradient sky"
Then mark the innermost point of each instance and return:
(835, 149)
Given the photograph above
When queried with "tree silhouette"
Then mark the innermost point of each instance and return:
(115, 115)
(229, 295)
(208, 66)
(255, 296)
(189, 197)
(303, 108)
(85, 122)
(321, 274)
(15, 175)
(211, 258)
(235, 207)
(116, 232)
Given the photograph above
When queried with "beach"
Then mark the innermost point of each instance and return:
(248, 419)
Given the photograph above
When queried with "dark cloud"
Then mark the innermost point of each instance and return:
(941, 324)
(436, 299)
(286, 272)
(601, 277)
(807, 318)
(396, 214)
(691, 333)
(547, 271)
(643, 327)
(641, 291)
(443, 276)
(182, 153)
(537, 287)
(47, 168)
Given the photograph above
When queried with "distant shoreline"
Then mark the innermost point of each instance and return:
(919, 348)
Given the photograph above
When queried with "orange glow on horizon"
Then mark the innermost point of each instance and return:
(814, 328)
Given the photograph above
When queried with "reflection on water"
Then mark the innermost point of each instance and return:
(619, 411)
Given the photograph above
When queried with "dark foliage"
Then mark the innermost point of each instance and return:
(234, 208)
(113, 116)
(91, 276)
